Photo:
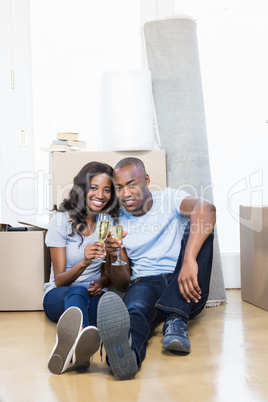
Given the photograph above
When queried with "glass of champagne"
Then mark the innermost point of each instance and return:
(117, 231)
(102, 230)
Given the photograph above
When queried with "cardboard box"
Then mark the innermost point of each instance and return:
(25, 266)
(254, 255)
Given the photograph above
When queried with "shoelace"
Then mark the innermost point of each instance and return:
(177, 327)
(101, 351)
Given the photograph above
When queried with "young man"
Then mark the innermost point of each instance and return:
(160, 226)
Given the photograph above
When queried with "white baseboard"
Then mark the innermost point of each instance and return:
(231, 270)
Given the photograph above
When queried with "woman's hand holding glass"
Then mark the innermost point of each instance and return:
(102, 230)
(92, 252)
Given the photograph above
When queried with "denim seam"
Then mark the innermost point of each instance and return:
(174, 310)
(88, 312)
(183, 250)
(178, 311)
(148, 334)
(198, 306)
(165, 279)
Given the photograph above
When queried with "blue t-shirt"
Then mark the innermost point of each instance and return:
(153, 241)
(58, 236)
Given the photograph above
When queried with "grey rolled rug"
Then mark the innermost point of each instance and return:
(173, 59)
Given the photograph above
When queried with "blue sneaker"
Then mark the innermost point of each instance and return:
(113, 323)
(176, 335)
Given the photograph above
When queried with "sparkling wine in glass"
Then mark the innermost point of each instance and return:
(117, 231)
(102, 230)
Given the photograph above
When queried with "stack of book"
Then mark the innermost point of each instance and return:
(66, 142)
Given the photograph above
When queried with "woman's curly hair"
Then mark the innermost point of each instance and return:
(77, 205)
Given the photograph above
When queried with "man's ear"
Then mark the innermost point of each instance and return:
(147, 180)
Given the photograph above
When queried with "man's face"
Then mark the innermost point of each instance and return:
(131, 186)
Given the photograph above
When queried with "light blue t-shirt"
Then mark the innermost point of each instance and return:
(58, 236)
(153, 241)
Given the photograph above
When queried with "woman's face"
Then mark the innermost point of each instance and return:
(99, 192)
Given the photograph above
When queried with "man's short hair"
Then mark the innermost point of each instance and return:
(130, 161)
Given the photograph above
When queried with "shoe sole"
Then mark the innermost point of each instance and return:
(87, 344)
(113, 324)
(176, 346)
(68, 328)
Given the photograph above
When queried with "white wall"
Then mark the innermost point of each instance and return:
(17, 190)
(232, 38)
(84, 39)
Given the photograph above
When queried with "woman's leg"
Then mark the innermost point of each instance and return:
(92, 309)
(61, 298)
(67, 305)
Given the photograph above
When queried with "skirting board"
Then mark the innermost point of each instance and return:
(231, 270)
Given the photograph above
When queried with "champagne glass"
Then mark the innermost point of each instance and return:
(117, 231)
(102, 230)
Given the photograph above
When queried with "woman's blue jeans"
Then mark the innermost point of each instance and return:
(59, 299)
(152, 299)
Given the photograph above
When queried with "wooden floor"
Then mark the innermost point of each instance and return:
(228, 362)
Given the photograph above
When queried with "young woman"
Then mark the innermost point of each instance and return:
(76, 283)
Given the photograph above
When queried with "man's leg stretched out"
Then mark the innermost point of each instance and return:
(175, 308)
(125, 326)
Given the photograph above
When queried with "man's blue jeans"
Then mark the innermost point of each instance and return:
(152, 299)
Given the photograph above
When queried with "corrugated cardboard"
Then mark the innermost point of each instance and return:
(254, 255)
(25, 266)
